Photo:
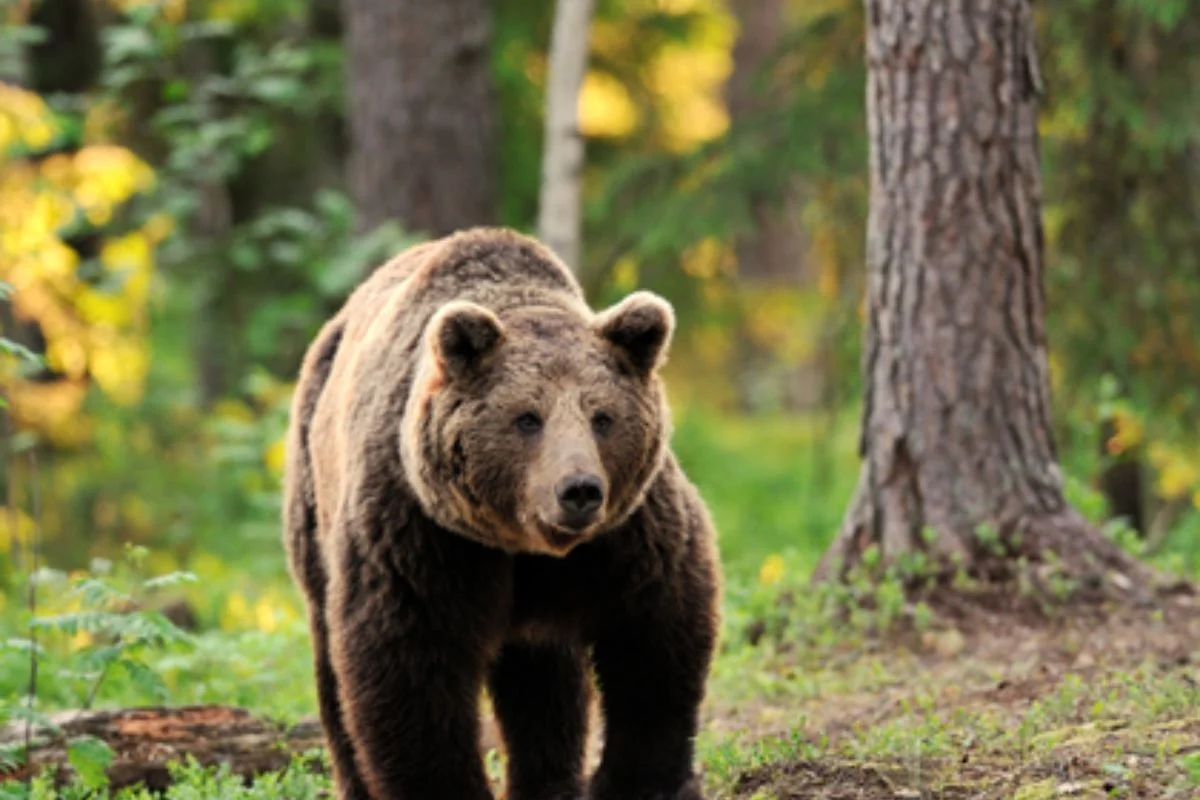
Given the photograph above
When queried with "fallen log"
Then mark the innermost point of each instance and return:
(146, 740)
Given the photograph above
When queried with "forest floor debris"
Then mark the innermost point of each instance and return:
(996, 706)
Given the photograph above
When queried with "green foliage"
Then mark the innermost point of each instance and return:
(92, 631)
(522, 32)
(813, 127)
(1119, 137)
(99, 632)
(90, 758)
(1191, 764)
(191, 781)
(773, 484)
(267, 273)
(259, 255)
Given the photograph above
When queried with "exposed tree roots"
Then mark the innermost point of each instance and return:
(1058, 558)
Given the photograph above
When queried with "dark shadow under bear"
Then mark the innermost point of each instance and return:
(480, 494)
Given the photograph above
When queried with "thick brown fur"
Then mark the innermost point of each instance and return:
(441, 422)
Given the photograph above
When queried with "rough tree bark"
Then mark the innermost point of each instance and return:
(562, 152)
(774, 253)
(956, 426)
(421, 111)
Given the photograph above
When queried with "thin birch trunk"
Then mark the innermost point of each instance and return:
(559, 222)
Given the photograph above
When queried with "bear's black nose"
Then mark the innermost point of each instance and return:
(579, 496)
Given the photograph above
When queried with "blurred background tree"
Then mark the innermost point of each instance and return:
(189, 187)
(421, 109)
(1122, 159)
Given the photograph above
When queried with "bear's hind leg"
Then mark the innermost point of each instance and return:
(540, 693)
(310, 573)
(349, 784)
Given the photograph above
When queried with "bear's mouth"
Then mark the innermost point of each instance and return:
(559, 539)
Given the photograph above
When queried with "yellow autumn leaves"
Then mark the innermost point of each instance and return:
(1177, 474)
(24, 120)
(268, 612)
(771, 571)
(16, 528)
(685, 81)
(91, 328)
(266, 608)
(1177, 467)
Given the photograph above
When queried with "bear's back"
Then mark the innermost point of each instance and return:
(496, 268)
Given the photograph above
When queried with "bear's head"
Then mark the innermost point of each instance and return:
(538, 433)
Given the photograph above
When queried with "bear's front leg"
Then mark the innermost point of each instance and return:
(540, 693)
(410, 648)
(652, 664)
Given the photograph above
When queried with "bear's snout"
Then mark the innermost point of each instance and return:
(579, 498)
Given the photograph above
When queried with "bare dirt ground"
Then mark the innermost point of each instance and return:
(990, 704)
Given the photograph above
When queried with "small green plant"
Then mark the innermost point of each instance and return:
(102, 630)
(300, 780)
(1191, 768)
(90, 758)
(990, 540)
(119, 627)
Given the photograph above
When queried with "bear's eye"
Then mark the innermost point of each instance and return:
(601, 423)
(529, 423)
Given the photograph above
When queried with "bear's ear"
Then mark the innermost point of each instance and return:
(462, 333)
(641, 325)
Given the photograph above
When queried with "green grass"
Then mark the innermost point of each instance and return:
(773, 484)
(300, 781)
(1120, 729)
(897, 702)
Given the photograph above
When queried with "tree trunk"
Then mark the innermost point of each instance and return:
(421, 111)
(773, 255)
(774, 252)
(562, 151)
(956, 435)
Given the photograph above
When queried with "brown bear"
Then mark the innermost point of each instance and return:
(480, 494)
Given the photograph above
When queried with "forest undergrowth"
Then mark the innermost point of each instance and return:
(1018, 696)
